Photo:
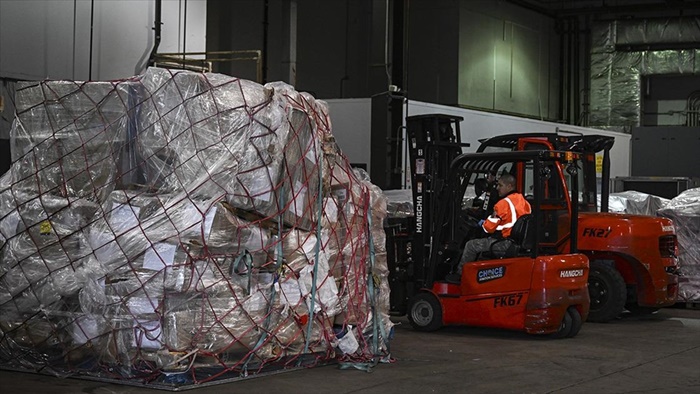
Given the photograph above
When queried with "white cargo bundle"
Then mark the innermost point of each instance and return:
(178, 228)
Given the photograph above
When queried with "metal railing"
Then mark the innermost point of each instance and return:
(693, 117)
(204, 61)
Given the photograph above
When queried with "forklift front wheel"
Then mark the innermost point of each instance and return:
(425, 312)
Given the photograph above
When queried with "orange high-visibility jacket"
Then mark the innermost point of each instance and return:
(505, 213)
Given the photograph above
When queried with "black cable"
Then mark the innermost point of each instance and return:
(184, 35)
(92, 26)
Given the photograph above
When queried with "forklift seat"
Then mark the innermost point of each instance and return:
(520, 240)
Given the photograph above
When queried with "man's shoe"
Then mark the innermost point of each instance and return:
(453, 278)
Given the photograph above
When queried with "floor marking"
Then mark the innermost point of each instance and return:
(692, 323)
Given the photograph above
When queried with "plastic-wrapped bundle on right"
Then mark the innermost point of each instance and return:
(635, 203)
(684, 210)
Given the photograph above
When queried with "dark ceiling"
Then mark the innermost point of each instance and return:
(563, 8)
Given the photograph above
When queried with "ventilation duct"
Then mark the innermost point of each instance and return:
(623, 52)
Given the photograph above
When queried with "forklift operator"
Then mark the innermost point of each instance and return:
(507, 210)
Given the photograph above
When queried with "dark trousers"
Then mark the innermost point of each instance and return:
(479, 245)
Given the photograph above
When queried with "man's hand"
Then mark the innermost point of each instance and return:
(481, 222)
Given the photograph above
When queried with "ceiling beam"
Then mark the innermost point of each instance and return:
(532, 7)
(668, 5)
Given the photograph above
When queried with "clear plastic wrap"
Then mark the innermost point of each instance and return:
(400, 203)
(635, 203)
(684, 210)
(212, 223)
(195, 129)
(69, 138)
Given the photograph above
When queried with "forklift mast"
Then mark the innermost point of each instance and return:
(433, 142)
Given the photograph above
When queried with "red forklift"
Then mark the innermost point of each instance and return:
(632, 257)
(527, 288)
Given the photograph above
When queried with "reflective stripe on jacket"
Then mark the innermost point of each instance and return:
(505, 213)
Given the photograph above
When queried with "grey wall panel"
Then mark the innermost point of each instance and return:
(649, 155)
(238, 25)
(505, 59)
(670, 151)
(432, 51)
(523, 87)
(684, 151)
(42, 39)
(475, 53)
(477, 64)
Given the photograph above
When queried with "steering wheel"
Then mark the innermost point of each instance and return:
(471, 220)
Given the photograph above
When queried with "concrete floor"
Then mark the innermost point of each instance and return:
(654, 354)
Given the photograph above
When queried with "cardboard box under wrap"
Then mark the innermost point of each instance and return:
(26, 299)
(302, 265)
(120, 318)
(178, 224)
(69, 137)
(219, 325)
(215, 324)
(119, 234)
(119, 341)
(227, 234)
(261, 169)
(195, 130)
(34, 273)
(94, 336)
(36, 332)
(137, 225)
(162, 125)
(43, 255)
(359, 266)
(280, 169)
(48, 224)
(301, 154)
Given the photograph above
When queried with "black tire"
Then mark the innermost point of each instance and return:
(608, 292)
(425, 312)
(564, 328)
(576, 321)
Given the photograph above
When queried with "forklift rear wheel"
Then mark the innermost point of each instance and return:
(608, 292)
(576, 321)
(565, 327)
(425, 312)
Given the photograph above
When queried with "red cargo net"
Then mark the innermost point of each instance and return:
(178, 228)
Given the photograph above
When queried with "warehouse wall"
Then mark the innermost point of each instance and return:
(350, 120)
(51, 39)
(245, 18)
(478, 53)
(337, 42)
(433, 51)
(478, 125)
(42, 39)
(507, 60)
